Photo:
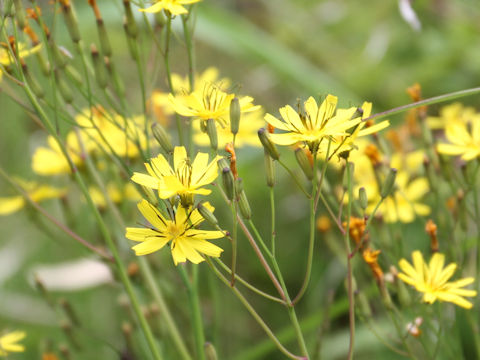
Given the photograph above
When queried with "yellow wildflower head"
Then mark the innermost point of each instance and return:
(463, 140)
(209, 103)
(186, 241)
(432, 280)
(313, 124)
(9, 342)
(185, 179)
(174, 7)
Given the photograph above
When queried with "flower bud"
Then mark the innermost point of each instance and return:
(234, 115)
(207, 214)
(103, 36)
(268, 144)
(363, 199)
(63, 88)
(132, 49)
(304, 163)
(162, 137)
(71, 21)
(269, 169)
(210, 353)
(34, 85)
(19, 13)
(228, 182)
(222, 163)
(212, 133)
(98, 67)
(244, 206)
(131, 25)
(389, 183)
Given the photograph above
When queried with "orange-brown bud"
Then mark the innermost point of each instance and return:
(357, 229)
(270, 129)
(371, 258)
(373, 154)
(233, 159)
(431, 230)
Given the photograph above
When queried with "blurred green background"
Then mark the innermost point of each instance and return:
(276, 51)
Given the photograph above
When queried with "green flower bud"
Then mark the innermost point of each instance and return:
(34, 85)
(244, 206)
(228, 182)
(103, 36)
(222, 163)
(268, 144)
(207, 214)
(304, 163)
(63, 88)
(210, 352)
(238, 186)
(235, 115)
(362, 196)
(389, 183)
(162, 137)
(98, 67)
(19, 13)
(269, 169)
(132, 49)
(212, 133)
(71, 22)
(131, 25)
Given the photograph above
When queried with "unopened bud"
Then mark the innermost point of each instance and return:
(238, 186)
(99, 68)
(71, 21)
(222, 163)
(63, 88)
(268, 144)
(132, 49)
(269, 169)
(362, 196)
(234, 115)
(210, 353)
(228, 182)
(304, 163)
(36, 88)
(19, 13)
(207, 214)
(389, 183)
(103, 36)
(131, 27)
(212, 133)
(162, 137)
(244, 206)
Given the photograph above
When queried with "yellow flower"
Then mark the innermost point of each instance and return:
(173, 6)
(211, 102)
(118, 133)
(455, 112)
(37, 192)
(186, 242)
(51, 161)
(162, 106)
(6, 58)
(314, 125)
(246, 136)
(462, 141)
(432, 280)
(9, 342)
(348, 142)
(185, 179)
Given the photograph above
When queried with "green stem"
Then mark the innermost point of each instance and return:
(192, 291)
(351, 299)
(103, 228)
(233, 206)
(191, 67)
(273, 233)
(255, 315)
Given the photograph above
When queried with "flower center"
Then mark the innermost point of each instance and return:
(174, 231)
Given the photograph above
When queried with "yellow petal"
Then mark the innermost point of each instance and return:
(153, 216)
(9, 205)
(149, 246)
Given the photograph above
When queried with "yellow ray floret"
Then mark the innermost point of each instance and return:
(174, 7)
(9, 342)
(186, 241)
(185, 179)
(432, 280)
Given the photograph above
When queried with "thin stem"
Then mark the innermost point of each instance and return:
(295, 178)
(430, 101)
(247, 284)
(351, 299)
(255, 315)
(273, 232)
(311, 238)
(57, 223)
(233, 238)
(191, 67)
(195, 308)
